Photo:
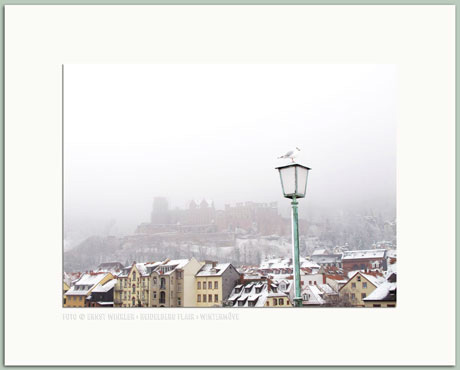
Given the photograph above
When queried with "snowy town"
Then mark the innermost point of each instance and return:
(363, 278)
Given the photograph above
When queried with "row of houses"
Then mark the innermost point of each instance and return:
(191, 283)
(169, 283)
(355, 259)
(332, 285)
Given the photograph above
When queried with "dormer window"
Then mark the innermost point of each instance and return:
(258, 290)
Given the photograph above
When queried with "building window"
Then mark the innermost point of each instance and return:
(216, 298)
(204, 297)
(359, 278)
(281, 301)
(178, 301)
(364, 285)
(363, 295)
(210, 298)
(275, 302)
(199, 285)
(268, 303)
(162, 283)
(209, 284)
(81, 298)
(376, 305)
(204, 284)
(162, 297)
(134, 275)
(154, 281)
(353, 297)
(353, 285)
(198, 298)
(216, 285)
(391, 305)
(134, 301)
(154, 295)
(134, 288)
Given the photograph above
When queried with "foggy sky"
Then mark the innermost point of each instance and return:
(133, 132)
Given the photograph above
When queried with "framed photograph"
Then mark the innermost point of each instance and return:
(174, 176)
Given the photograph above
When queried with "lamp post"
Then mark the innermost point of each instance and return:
(294, 178)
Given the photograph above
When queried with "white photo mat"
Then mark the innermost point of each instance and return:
(40, 39)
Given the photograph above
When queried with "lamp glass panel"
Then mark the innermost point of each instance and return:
(302, 176)
(288, 179)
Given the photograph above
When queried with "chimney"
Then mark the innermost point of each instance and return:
(269, 285)
(214, 263)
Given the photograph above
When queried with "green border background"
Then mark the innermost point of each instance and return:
(228, 2)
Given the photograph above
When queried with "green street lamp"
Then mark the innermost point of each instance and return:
(294, 178)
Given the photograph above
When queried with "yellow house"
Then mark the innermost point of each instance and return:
(277, 300)
(77, 294)
(132, 287)
(172, 283)
(358, 287)
(214, 283)
(64, 289)
(169, 283)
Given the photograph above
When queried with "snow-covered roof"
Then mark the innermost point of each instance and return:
(304, 263)
(86, 283)
(210, 270)
(363, 254)
(165, 267)
(317, 252)
(314, 295)
(257, 294)
(376, 280)
(391, 253)
(381, 292)
(142, 269)
(391, 268)
(91, 279)
(326, 289)
(105, 287)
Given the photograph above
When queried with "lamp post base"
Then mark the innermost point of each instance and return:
(298, 302)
